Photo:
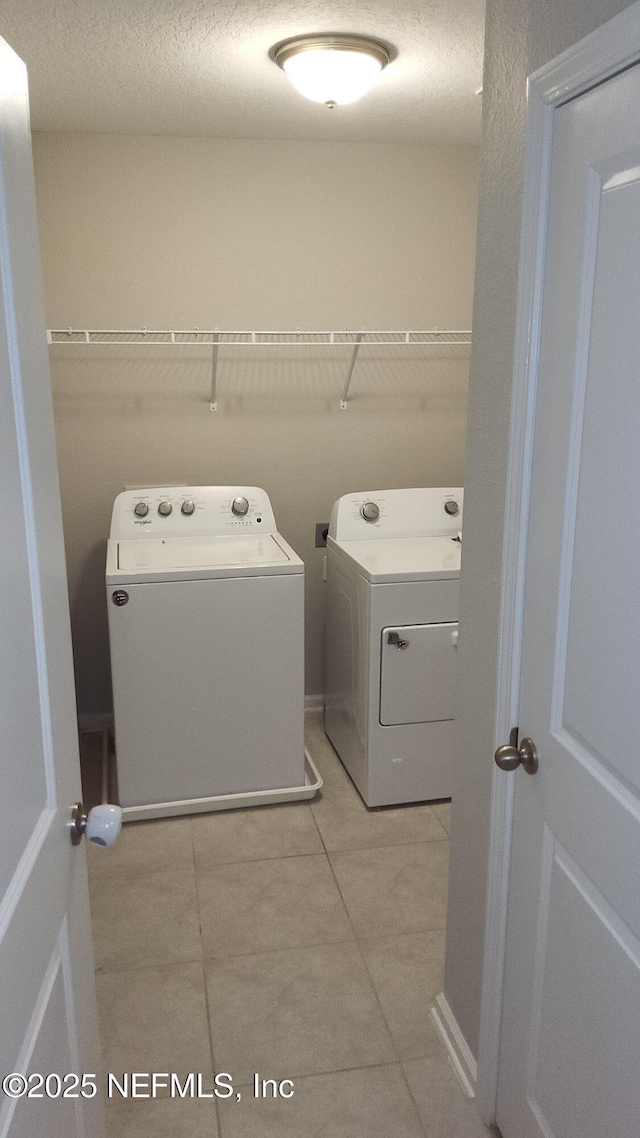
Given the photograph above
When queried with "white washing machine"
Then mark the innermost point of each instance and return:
(206, 626)
(393, 568)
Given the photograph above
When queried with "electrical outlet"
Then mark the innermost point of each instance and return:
(322, 529)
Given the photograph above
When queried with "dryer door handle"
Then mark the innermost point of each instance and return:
(395, 639)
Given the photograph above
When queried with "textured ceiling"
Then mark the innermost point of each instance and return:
(201, 67)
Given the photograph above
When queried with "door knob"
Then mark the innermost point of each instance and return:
(100, 826)
(509, 757)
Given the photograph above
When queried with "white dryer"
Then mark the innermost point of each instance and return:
(393, 568)
(206, 626)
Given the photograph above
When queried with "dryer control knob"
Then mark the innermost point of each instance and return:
(164, 509)
(240, 506)
(452, 508)
(370, 512)
(187, 508)
(141, 509)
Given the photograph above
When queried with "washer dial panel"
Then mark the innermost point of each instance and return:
(192, 511)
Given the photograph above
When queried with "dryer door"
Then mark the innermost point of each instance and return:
(417, 673)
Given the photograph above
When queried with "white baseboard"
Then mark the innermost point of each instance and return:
(314, 703)
(101, 722)
(457, 1047)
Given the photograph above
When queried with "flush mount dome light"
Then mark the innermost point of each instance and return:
(332, 69)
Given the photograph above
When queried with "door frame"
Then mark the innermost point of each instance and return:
(608, 50)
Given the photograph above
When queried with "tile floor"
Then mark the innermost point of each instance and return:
(298, 941)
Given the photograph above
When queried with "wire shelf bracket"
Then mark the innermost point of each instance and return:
(213, 402)
(354, 355)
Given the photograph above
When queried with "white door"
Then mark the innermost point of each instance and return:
(47, 1001)
(570, 1047)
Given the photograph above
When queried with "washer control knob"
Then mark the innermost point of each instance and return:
(452, 508)
(164, 509)
(240, 506)
(370, 512)
(141, 509)
(187, 508)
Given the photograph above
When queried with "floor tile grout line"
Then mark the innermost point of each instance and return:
(205, 985)
(393, 846)
(319, 831)
(341, 1071)
(353, 939)
(100, 969)
(372, 983)
(108, 877)
(368, 974)
(382, 844)
(117, 876)
(285, 947)
(385, 844)
(204, 958)
(325, 852)
(397, 1063)
(148, 967)
(397, 936)
(366, 938)
(258, 860)
(280, 948)
(421, 1122)
(335, 1071)
(350, 785)
(193, 845)
(212, 1049)
(344, 903)
(353, 795)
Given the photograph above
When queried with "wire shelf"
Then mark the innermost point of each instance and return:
(216, 338)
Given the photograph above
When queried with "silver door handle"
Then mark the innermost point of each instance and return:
(396, 639)
(509, 757)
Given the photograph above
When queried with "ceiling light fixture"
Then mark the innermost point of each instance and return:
(333, 70)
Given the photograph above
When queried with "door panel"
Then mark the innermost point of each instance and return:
(600, 682)
(570, 1047)
(24, 785)
(46, 1050)
(417, 678)
(47, 1001)
(580, 1005)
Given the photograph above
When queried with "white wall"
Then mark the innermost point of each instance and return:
(521, 35)
(183, 233)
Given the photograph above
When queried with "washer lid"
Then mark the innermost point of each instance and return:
(403, 558)
(149, 559)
